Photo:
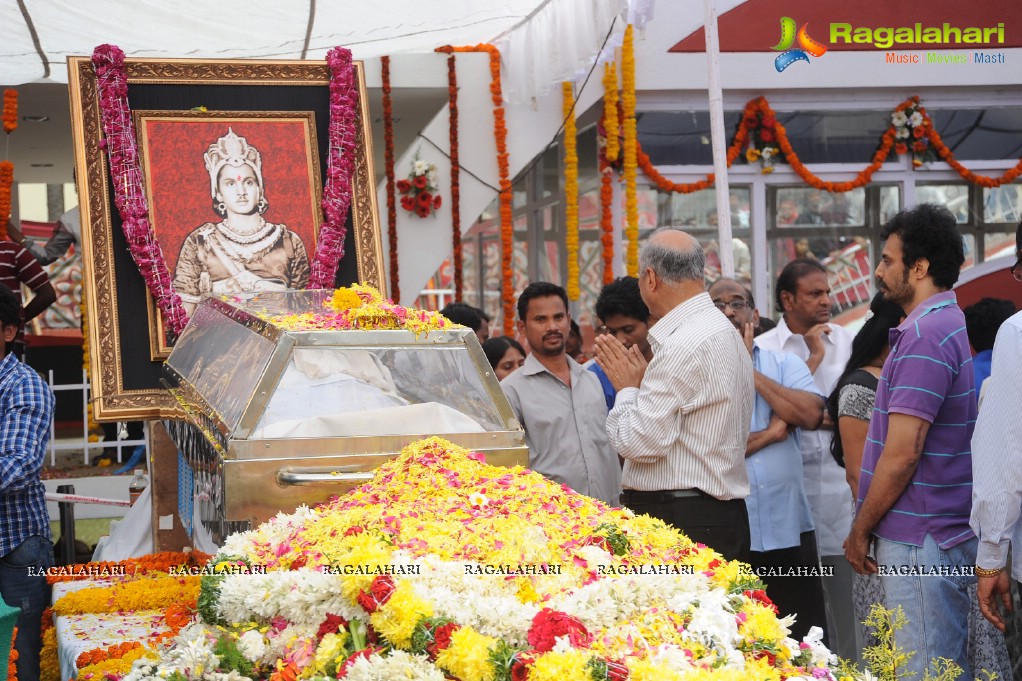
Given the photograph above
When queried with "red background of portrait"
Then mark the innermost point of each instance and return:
(178, 185)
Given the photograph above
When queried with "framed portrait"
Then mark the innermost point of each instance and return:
(268, 122)
(234, 200)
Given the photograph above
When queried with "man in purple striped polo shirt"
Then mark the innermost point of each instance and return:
(915, 488)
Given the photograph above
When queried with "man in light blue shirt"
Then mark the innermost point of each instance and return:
(784, 550)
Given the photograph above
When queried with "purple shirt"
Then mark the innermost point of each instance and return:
(928, 375)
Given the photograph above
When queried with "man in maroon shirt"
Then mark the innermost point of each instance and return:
(17, 267)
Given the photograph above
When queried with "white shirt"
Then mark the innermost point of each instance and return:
(829, 495)
(686, 426)
(997, 456)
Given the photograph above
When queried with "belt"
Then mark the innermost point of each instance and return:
(661, 497)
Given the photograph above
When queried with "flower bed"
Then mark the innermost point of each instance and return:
(443, 565)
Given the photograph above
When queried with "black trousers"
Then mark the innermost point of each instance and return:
(799, 595)
(721, 525)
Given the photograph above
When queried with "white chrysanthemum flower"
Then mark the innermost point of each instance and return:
(898, 119)
(915, 119)
(396, 665)
(420, 167)
(252, 645)
(902, 133)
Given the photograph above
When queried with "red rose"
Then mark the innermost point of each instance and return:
(420, 182)
(436, 201)
(425, 199)
(760, 596)
(549, 624)
(918, 131)
(919, 145)
(378, 594)
(520, 665)
(403, 186)
(330, 625)
(422, 212)
(441, 639)
(408, 203)
(901, 148)
(766, 135)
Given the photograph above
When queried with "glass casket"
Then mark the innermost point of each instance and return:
(277, 417)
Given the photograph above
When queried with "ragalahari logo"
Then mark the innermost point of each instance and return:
(806, 45)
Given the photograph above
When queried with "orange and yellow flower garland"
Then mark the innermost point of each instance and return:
(155, 562)
(631, 148)
(506, 217)
(570, 189)
(388, 165)
(862, 178)
(607, 219)
(6, 182)
(12, 658)
(452, 105)
(610, 121)
(10, 117)
(146, 593)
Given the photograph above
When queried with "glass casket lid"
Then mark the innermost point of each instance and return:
(245, 363)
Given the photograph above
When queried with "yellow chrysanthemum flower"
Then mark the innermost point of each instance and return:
(468, 656)
(761, 624)
(396, 619)
(345, 299)
(566, 666)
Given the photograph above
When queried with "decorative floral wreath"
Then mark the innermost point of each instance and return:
(910, 132)
(419, 191)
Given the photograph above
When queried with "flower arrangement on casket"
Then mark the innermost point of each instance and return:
(443, 567)
(362, 307)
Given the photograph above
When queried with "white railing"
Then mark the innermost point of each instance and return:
(82, 443)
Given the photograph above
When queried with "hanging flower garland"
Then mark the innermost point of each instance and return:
(10, 123)
(758, 110)
(506, 222)
(631, 147)
(388, 164)
(610, 104)
(570, 188)
(452, 105)
(339, 168)
(607, 219)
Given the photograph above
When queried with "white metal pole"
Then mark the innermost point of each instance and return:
(727, 260)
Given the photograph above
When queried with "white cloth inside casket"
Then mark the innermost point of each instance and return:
(325, 393)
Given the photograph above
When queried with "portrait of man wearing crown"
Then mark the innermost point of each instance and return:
(242, 251)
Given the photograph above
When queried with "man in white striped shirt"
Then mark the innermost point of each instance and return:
(681, 424)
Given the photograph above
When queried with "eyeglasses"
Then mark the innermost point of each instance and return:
(1016, 270)
(736, 305)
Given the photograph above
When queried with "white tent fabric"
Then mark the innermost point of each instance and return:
(542, 41)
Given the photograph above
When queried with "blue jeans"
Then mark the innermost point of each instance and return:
(937, 606)
(27, 589)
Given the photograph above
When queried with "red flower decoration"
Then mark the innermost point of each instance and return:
(441, 639)
(548, 625)
(419, 190)
(425, 199)
(420, 182)
(408, 203)
(331, 625)
(378, 594)
(403, 186)
(436, 201)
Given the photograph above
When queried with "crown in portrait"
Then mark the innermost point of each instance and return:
(234, 151)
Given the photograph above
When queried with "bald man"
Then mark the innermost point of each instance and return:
(682, 422)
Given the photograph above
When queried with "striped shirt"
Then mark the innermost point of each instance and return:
(997, 456)
(26, 409)
(17, 267)
(686, 426)
(928, 375)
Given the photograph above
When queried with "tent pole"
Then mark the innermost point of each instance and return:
(724, 247)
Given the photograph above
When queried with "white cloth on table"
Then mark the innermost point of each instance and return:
(132, 536)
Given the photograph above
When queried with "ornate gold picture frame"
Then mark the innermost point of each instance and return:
(125, 377)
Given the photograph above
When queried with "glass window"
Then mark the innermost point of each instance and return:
(992, 133)
(1003, 204)
(953, 195)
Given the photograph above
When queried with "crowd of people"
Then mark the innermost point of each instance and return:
(846, 469)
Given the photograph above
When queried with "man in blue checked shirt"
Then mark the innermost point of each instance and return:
(26, 409)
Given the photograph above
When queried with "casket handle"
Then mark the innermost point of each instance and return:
(291, 477)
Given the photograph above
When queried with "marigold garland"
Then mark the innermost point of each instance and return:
(759, 107)
(388, 164)
(6, 182)
(113, 652)
(114, 667)
(12, 658)
(610, 103)
(146, 593)
(506, 215)
(631, 146)
(155, 562)
(607, 219)
(49, 662)
(10, 117)
(570, 188)
(452, 105)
